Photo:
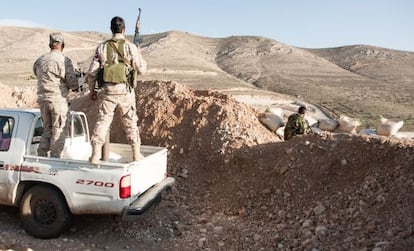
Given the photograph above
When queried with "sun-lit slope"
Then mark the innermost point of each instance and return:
(289, 70)
(269, 64)
(359, 81)
(393, 69)
(20, 47)
(392, 66)
(186, 58)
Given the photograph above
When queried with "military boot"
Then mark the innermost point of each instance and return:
(136, 154)
(96, 154)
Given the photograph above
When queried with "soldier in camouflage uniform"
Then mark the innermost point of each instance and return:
(55, 77)
(115, 95)
(296, 124)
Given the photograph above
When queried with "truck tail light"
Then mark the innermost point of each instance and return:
(125, 187)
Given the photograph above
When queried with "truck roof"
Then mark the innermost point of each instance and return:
(33, 111)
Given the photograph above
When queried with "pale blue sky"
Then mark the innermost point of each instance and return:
(302, 23)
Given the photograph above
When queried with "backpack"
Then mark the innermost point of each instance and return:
(121, 72)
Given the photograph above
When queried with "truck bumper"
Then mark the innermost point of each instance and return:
(145, 201)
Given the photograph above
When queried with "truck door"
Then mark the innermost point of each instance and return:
(7, 125)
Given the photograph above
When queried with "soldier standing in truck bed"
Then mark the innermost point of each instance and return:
(116, 94)
(55, 77)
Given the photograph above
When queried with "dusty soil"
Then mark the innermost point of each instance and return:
(239, 187)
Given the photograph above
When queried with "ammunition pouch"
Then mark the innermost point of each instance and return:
(121, 72)
(115, 73)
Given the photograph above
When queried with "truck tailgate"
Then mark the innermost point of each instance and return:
(146, 172)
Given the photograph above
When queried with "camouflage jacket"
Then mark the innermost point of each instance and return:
(296, 125)
(55, 76)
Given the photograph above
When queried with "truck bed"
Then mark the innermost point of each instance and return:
(90, 184)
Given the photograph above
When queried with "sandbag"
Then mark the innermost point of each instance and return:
(316, 130)
(347, 124)
(277, 111)
(311, 120)
(368, 131)
(281, 132)
(388, 127)
(271, 120)
(328, 124)
(400, 135)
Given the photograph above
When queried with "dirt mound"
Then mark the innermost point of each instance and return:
(201, 123)
(188, 122)
(18, 97)
(240, 188)
(313, 192)
(341, 191)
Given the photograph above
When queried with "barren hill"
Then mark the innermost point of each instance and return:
(359, 81)
(393, 71)
(391, 66)
(324, 81)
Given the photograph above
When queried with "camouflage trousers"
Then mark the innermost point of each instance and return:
(54, 117)
(125, 105)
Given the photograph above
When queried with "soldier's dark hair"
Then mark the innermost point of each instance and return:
(117, 24)
(302, 110)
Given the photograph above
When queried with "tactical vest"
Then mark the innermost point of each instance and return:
(115, 72)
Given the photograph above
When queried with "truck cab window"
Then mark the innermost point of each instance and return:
(6, 130)
(77, 126)
(37, 131)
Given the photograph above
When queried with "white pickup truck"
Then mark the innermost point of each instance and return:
(49, 191)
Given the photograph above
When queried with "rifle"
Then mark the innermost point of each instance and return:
(137, 38)
(80, 75)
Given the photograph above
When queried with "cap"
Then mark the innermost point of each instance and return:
(55, 38)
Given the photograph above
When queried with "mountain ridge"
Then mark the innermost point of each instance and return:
(358, 80)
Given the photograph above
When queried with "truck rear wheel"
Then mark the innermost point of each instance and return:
(44, 212)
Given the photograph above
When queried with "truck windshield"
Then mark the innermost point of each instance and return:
(77, 126)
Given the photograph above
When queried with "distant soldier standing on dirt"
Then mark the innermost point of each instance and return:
(116, 94)
(55, 77)
(296, 124)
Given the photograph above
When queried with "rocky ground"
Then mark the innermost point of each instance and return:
(239, 187)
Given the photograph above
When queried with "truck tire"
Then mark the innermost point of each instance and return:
(44, 212)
